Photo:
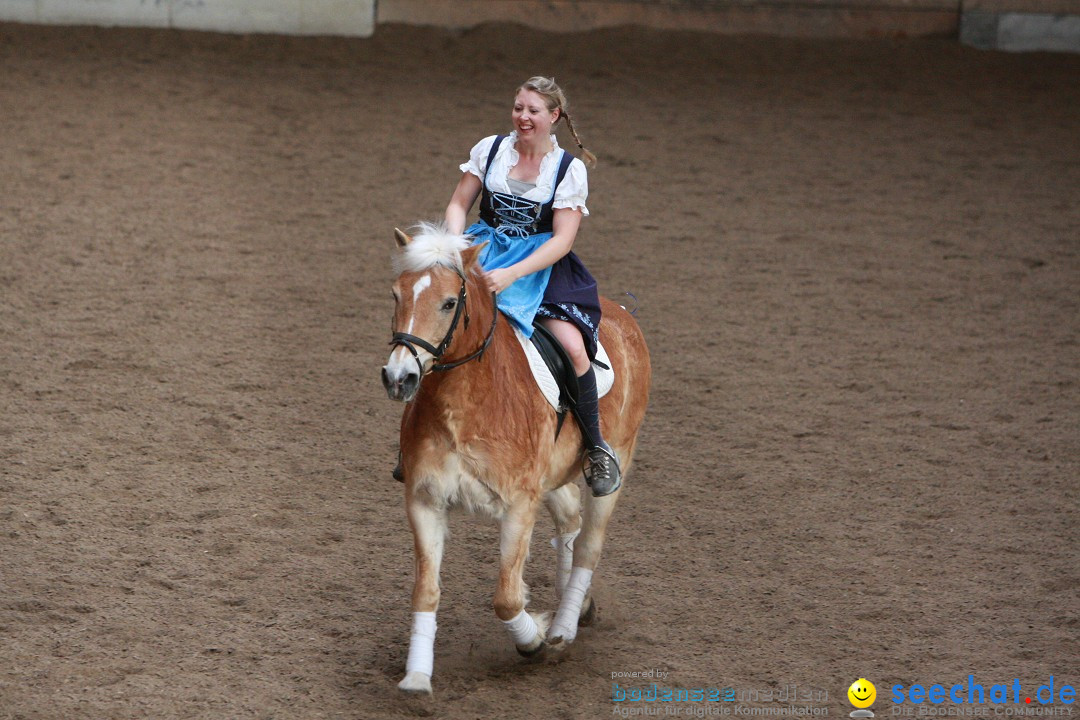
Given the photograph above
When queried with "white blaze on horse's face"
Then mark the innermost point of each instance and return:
(418, 287)
(425, 302)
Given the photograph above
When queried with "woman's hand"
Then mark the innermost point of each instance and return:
(500, 279)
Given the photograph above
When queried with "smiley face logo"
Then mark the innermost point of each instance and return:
(862, 693)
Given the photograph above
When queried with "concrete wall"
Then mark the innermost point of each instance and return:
(992, 24)
(807, 18)
(1016, 25)
(1021, 25)
(295, 17)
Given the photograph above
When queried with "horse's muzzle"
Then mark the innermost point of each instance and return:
(400, 385)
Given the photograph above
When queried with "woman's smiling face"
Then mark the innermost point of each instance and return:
(531, 116)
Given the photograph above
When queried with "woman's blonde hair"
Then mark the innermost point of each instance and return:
(555, 99)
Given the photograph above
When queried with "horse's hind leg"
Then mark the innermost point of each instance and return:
(587, 548)
(526, 630)
(428, 521)
(564, 504)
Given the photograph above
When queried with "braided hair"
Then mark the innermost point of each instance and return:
(555, 99)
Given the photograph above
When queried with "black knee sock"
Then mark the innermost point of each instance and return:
(588, 408)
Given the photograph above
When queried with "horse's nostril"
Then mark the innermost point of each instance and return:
(399, 383)
(392, 384)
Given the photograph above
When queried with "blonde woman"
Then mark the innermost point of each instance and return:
(532, 199)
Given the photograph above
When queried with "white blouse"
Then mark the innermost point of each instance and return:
(571, 193)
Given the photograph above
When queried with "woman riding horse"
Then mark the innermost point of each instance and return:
(473, 434)
(532, 201)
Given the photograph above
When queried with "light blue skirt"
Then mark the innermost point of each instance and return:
(519, 301)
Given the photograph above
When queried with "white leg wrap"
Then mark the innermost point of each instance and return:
(422, 644)
(522, 628)
(564, 546)
(565, 624)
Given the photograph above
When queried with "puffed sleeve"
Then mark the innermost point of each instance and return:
(574, 189)
(478, 156)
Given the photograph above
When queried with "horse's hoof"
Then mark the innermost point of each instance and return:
(537, 653)
(417, 683)
(588, 617)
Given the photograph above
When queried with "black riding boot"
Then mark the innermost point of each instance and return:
(601, 471)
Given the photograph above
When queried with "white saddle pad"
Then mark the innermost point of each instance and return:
(546, 381)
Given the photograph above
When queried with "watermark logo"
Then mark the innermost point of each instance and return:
(787, 700)
(975, 699)
(861, 695)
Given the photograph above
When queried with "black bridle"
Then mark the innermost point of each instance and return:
(410, 341)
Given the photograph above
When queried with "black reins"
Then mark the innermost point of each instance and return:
(410, 341)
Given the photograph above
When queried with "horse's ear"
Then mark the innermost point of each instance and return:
(470, 254)
(402, 238)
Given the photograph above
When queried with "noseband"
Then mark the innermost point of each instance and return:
(409, 342)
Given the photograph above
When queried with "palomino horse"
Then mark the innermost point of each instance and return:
(477, 433)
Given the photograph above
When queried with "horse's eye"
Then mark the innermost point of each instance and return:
(449, 304)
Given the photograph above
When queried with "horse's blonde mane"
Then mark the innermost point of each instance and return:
(431, 245)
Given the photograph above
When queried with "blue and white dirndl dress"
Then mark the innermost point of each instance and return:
(514, 226)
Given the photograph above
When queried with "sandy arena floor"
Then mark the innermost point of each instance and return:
(858, 271)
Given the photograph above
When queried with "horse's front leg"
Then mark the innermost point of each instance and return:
(428, 521)
(526, 630)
